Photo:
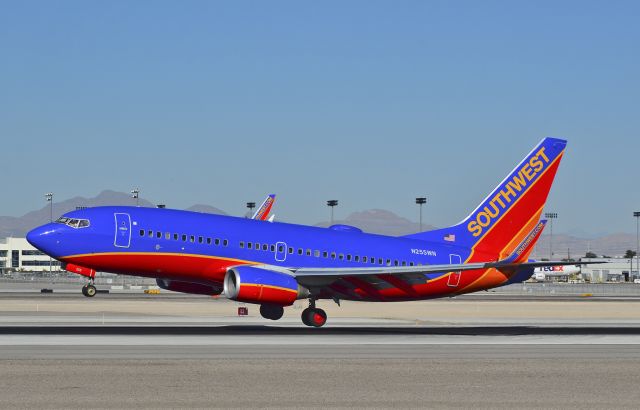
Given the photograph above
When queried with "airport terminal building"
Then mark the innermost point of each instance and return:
(17, 255)
(614, 270)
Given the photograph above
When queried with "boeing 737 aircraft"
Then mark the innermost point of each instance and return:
(275, 264)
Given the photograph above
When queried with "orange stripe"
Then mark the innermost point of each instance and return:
(270, 287)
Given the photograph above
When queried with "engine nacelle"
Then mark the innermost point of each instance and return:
(188, 287)
(80, 270)
(257, 285)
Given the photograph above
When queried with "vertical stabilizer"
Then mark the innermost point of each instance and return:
(512, 210)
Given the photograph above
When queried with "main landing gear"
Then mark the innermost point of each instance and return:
(313, 316)
(89, 290)
(273, 312)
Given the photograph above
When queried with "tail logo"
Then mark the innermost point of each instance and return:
(510, 191)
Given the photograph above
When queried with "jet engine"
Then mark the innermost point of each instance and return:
(263, 286)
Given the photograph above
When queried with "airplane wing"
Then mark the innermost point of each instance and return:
(401, 270)
(262, 214)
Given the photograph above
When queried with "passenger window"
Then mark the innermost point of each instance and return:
(167, 235)
(200, 239)
(225, 242)
(241, 244)
(141, 232)
(379, 261)
(265, 247)
(348, 257)
(316, 254)
(158, 234)
(404, 263)
(150, 233)
(395, 263)
(192, 238)
(410, 263)
(341, 256)
(175, 236)
(273, 248)
(325, 254)
(280, 248)
(333, 255)
(208, 241)
(356, 258)
(373, 260)
(388, 262)
(308, 252)
(249, 245)
(364, 259)
(257, 246)
(217, 241)
(290, 250)
(300, 251)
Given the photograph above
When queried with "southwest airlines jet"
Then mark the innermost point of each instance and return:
(275, 264)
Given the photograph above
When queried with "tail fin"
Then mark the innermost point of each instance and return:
(512, 210)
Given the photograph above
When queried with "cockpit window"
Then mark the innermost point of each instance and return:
(74, 223)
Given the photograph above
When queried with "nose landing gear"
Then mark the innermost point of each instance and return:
(89, 290)
(313, 316)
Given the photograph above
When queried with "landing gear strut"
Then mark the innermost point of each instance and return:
(89, 290)
(273, 312)
(313, 316)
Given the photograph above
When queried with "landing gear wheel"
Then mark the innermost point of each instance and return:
(314, 317)
(272, 312)
(89, 291)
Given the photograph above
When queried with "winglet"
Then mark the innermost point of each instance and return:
(262, 213)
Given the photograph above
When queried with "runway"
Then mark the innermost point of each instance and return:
(72, 352)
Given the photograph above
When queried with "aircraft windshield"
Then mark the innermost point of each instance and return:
(73, 222)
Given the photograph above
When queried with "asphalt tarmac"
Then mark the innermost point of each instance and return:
(65, 352)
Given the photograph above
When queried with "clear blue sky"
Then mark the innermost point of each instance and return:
(372, 103)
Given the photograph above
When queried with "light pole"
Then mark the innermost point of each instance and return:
(637, 216)
(135, 194)
(551, 216)
(331, 203)
(421, 201)
(251, 205)
(49, 196)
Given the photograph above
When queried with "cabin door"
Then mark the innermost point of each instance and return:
(454, 277)
(123, 230)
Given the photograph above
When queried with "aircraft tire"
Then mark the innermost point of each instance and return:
(305, 316)
(314, 317)
(91, 291)
(272, 312)
(84, 290)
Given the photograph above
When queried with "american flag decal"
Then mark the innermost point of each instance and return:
(450, 238)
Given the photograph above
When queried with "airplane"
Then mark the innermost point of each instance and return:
(542, 272)
(275, 264)
(89, 290)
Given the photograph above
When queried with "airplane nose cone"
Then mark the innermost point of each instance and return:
(43, 238)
